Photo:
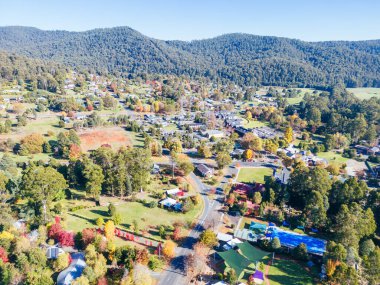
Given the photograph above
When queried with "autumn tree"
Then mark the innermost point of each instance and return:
(31, 144)
(204, 151)
(288, 135)
(168, 249)
(109, 230)
(251, 141)
(248, 154)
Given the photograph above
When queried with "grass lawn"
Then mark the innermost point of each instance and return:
(254, 174)
(295, 100)
(130, 211)
(332, 157)
(287, 272)
(365, 93)
(171, 128)
(253, 124)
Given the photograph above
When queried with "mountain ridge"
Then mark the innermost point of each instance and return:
(238, 57)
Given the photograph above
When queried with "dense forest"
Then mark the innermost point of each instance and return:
(240, 58)
(41, 74)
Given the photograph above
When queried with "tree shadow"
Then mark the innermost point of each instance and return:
(178, 263)
(189, 242)
(99, 212)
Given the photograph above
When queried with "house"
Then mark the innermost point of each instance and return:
(213, 133)
(74, 270)
(52, 252)
(204, 170)
(174, 192)
(80, 117)
(155, 169)
(232, 244)
(224, 237)
(167, 202)
(20, 225)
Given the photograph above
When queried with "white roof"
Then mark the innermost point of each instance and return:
(234, 242)
(224, 237)
(172, 191)
(168, 202)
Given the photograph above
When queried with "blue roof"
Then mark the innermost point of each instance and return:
(291, 239)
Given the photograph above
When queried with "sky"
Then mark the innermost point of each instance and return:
(309, 20)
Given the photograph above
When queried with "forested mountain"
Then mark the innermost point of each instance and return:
(42, 74)
(242, 58)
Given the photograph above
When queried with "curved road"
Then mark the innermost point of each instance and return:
(210, 217)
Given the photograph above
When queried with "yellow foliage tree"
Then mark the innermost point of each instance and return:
(4, 235)
(330, 267)
(288, 136)
(248, 154)
(109, 230)
(169, 249)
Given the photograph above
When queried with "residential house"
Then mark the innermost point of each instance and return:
(204, 170)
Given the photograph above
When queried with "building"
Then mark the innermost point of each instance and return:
(213, 133)
(74, 270)
(204, 170)
(52, 252)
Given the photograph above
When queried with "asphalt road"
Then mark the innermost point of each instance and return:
(175, 274)
(210, 217)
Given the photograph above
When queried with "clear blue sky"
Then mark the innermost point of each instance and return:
(311, 20)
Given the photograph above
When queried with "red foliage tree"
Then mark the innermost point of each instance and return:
(102, 281)
(75, 151)
(66, 238)
(177, 233)
(3, 255)
(55, 231)
(88, 236)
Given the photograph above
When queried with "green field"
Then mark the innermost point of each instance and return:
(253, 124)
(365, 93)
(129, 211)
(287, 272)
(254, 174)
(331, 156)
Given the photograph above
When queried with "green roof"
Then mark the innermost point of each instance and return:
(252, 253)
(258, 228)
(234, 260)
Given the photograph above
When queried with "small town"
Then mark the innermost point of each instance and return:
(171, 174)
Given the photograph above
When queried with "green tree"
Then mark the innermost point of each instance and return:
(94, 178)
(208, 238)
(186, 166)
(257, 198)
(366, 247)
(275, 244)
(352, 223)
(43, 185)
(223, 159)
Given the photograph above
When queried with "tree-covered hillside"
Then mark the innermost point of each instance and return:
(244, 59)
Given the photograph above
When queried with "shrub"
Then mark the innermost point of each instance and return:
(275, 244)
(117, 218)
(111, 210)
(366, 247)
(153, 204)
(99, 221)
(208, 238)
(300, 252)
(155, 263)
